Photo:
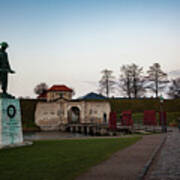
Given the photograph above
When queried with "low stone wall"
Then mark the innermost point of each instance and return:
(47, 116)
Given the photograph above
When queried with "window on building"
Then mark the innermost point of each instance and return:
(61, 94)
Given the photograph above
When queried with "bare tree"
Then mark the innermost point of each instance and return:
(157, 79)
(174, 89)
(125, 80)
(132, 80)
(41, 88)
(107, 82)
(138, 89)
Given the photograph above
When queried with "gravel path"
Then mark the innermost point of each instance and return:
(167, 164)
(126, 164)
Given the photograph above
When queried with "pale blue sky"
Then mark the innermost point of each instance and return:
(71, 41)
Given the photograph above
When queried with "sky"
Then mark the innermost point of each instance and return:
(71, 41)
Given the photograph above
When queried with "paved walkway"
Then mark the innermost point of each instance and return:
(126, 164)
(167, 164)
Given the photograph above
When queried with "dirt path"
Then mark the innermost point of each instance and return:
(126, 164)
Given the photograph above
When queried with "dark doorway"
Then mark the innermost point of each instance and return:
(104, 118)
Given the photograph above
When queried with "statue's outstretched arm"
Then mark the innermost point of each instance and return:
(9, 67)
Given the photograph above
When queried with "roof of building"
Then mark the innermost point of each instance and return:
(54, 88)
(60, 88)
(92, 96)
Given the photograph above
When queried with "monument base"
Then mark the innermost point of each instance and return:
(25, 143)
(10, 122)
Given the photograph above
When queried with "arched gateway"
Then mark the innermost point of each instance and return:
(74, 115)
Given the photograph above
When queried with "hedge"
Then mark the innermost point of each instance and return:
(140, 105)
(28, 107)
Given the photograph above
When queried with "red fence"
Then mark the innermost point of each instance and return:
(150, 118)
(112, 121)
(127, 118)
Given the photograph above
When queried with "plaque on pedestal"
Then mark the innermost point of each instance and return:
(10, 122)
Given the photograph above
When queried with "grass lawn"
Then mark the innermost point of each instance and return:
(57, 159)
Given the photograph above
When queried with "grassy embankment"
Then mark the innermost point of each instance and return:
(63, 159)
(138, 106)
(28, 107)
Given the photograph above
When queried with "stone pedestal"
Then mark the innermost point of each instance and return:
(10, 122)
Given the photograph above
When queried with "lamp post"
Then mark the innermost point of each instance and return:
(163, 125)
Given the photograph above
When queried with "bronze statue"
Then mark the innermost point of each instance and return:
(4, 67)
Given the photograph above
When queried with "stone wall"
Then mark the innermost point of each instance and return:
(47, 116)
(50, 115)
(95, 112)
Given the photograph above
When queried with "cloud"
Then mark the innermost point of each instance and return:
(92, 83)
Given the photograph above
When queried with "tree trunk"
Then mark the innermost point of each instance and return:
(107, 87)
(156, 84)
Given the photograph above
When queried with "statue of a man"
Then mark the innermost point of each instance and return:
(4, 67)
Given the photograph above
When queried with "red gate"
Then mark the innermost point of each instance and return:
(150, 118)
(127, 118)
(112, 121)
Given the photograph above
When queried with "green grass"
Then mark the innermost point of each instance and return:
(171, 117)
(63, 159)
(138, 118)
